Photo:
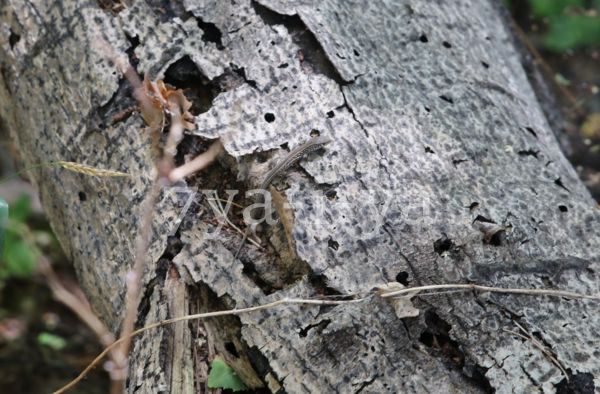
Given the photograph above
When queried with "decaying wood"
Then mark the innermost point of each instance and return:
(443, 169)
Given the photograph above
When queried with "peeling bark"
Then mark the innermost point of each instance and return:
(443, 169)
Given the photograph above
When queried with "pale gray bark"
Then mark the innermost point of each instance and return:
(430, 110)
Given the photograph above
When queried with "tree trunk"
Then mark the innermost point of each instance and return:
(442, 169)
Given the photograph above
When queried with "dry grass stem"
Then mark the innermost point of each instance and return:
(409, 292)
(88, 170)
(285, 301)
(224, 200)
(216, 205)
(538, 292)
(530, 338)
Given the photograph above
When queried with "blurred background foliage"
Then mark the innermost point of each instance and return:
(19, 256)
(570, 24)
(42, 343)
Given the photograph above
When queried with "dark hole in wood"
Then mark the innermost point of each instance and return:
(558, 182)
(442, 245)
(13, 39)
(497, 239)
(333, 244)
(402, 278)
(529, 152)
(230, 347)
(531, 131)
(269, 117)
(211, 33)
(582, 382)
(447, 99)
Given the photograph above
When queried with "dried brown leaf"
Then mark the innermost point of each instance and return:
(162, 98)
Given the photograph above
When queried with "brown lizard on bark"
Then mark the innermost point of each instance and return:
(295, 154)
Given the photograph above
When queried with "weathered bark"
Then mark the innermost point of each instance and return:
(430, 110)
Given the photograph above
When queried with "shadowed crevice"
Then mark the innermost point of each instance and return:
(311, 51)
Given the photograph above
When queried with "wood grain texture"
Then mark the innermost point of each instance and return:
(431, 115)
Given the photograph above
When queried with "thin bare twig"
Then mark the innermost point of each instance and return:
(135, 275)
(154, 115)
(406, 292)
(78, 306)
(548, 292)
(133, 281)
(285, 301)
(198, 163)
(74, 303)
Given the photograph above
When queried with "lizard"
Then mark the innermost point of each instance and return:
(295, 154)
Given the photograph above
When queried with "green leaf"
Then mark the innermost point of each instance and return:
(221, 376)
(52, 341)
(3, 222)
(561, 80)
(572, 31)
(550, 8)
(18, 257)
(18, 260)
(20, 209)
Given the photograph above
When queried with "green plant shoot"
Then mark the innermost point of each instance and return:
(222, 376)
